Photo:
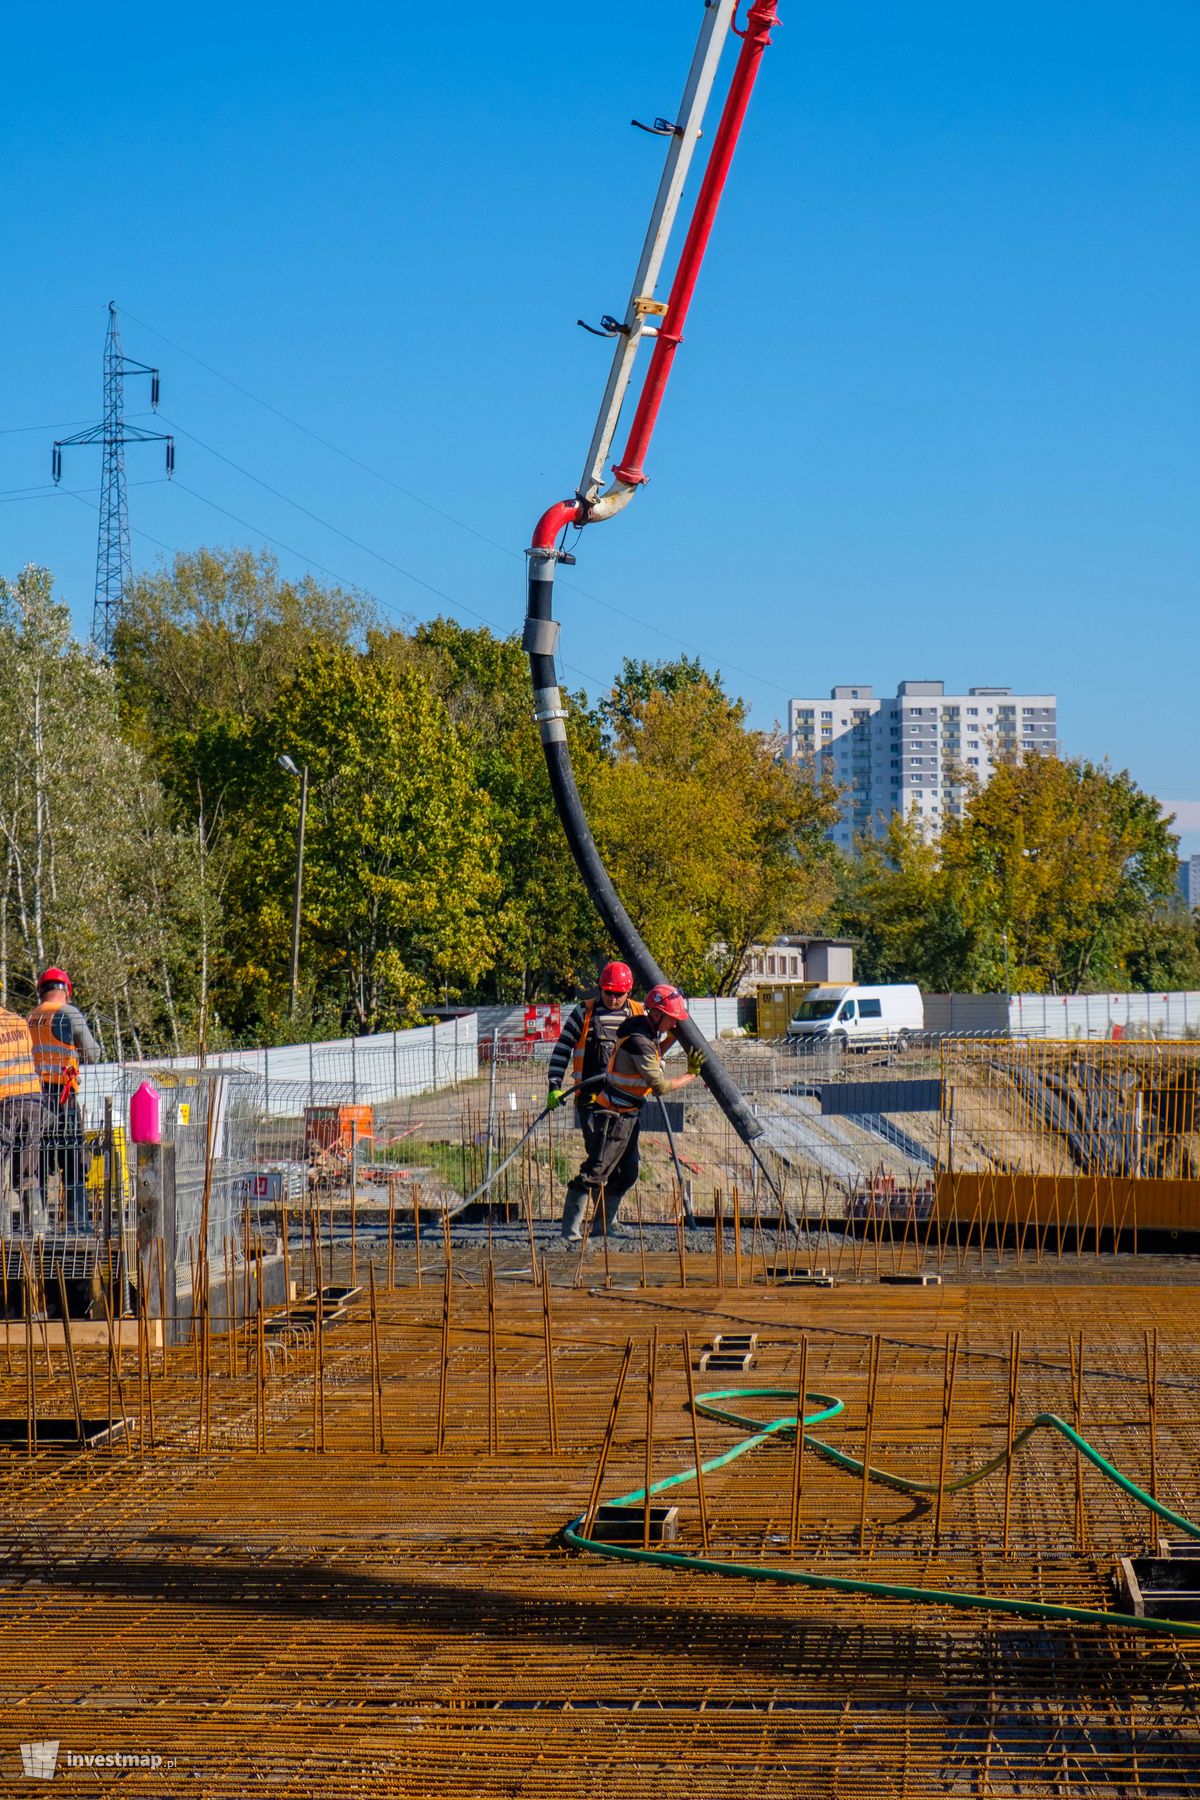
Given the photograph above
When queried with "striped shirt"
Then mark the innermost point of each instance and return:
(601, 1037)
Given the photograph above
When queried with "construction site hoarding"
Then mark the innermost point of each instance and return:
(1113, 1207)
(1112, 1016)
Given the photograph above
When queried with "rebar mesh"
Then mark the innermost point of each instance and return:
(404, 1622)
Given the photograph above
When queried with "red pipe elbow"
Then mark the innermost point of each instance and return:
(563, 512)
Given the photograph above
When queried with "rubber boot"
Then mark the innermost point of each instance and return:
(612, 1205)
(574, 1207)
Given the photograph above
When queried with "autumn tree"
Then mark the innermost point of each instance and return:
(216, 634)
(1054, 879)
(547, 937)
(95, 872)
(714, 838)
(1063, 863)
(400, 887)
(640, 680)
(1165, 955)
(893, 900)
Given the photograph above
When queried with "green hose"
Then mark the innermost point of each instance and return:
(829, 1407)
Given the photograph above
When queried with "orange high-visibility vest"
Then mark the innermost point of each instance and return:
(18, 1076)
(621, 1092)
(635, 1006)
(54, 1054)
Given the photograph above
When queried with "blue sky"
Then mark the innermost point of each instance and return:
(936, 413)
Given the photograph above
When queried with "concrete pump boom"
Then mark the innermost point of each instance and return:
(590, 505)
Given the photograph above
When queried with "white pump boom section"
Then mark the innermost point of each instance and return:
(643, 307)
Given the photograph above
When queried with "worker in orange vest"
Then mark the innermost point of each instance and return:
(633, 1072)
(20, 1119)
(581, 1054)
(61, 1040)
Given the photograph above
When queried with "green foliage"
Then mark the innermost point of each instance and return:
(714, 839)
(1165, 957)
(400, 849)
(547, 937)
(640, 681)
(216, 635)
(148, 833)
(1052, 881)
(903, 916)
(95, 873)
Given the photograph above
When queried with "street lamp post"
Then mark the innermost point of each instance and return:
(285, 762)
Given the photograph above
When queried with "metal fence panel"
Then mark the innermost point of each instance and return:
(881, 1097)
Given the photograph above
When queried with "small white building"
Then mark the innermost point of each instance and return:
(788, 959)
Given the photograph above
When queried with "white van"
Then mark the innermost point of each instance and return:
(838, 1017)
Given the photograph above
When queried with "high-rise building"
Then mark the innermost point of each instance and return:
(918, 750)
(1189, 882)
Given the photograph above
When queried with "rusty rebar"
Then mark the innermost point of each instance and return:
(589, 1517)
(548, 1342)
(701, 1497)
(798, 1452)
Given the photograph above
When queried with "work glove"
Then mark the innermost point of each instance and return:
(554, 1098)
(695, 1061)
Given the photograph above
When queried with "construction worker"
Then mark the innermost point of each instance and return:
(20, 1119)
(586, 1040)
(61, 1040)
(634, 1071)
(584, 1047)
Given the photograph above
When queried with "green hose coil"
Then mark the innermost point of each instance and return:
(828, 1407)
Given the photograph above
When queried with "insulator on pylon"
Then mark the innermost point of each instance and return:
(170, 456)
(57, 463)
(154, 388)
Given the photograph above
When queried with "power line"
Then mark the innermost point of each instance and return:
(327, 443)
(310, 562)
(60, 425)
(457, 605)
(318, 520)
(37, 490)
(138, 532)
(450, 518)
(448, 600)
(15, 496)
(358, 545)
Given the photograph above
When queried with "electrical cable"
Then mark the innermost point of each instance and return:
(62, 424)
(764, 1432)
(12, 496)
(439, 512)
(325, 442)
(315, 517)
(136, 530)
(449, 600)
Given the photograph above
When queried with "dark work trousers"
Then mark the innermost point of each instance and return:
(62, 1150)
(611, 1163)
(20, 1145)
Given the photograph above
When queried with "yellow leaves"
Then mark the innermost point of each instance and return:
(712, 837)
(1047, 882)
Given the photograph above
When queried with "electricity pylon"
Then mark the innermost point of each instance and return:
(113, 562)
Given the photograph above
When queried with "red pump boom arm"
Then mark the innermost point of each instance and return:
(629, 472)
(589, 507)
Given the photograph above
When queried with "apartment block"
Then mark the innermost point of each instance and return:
(1189, 882)
(917, 750)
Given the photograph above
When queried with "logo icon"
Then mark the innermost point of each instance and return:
(40, 1760)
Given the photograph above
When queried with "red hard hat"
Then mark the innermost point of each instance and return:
(55, 978)
(666, 1001)
(617, 978)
